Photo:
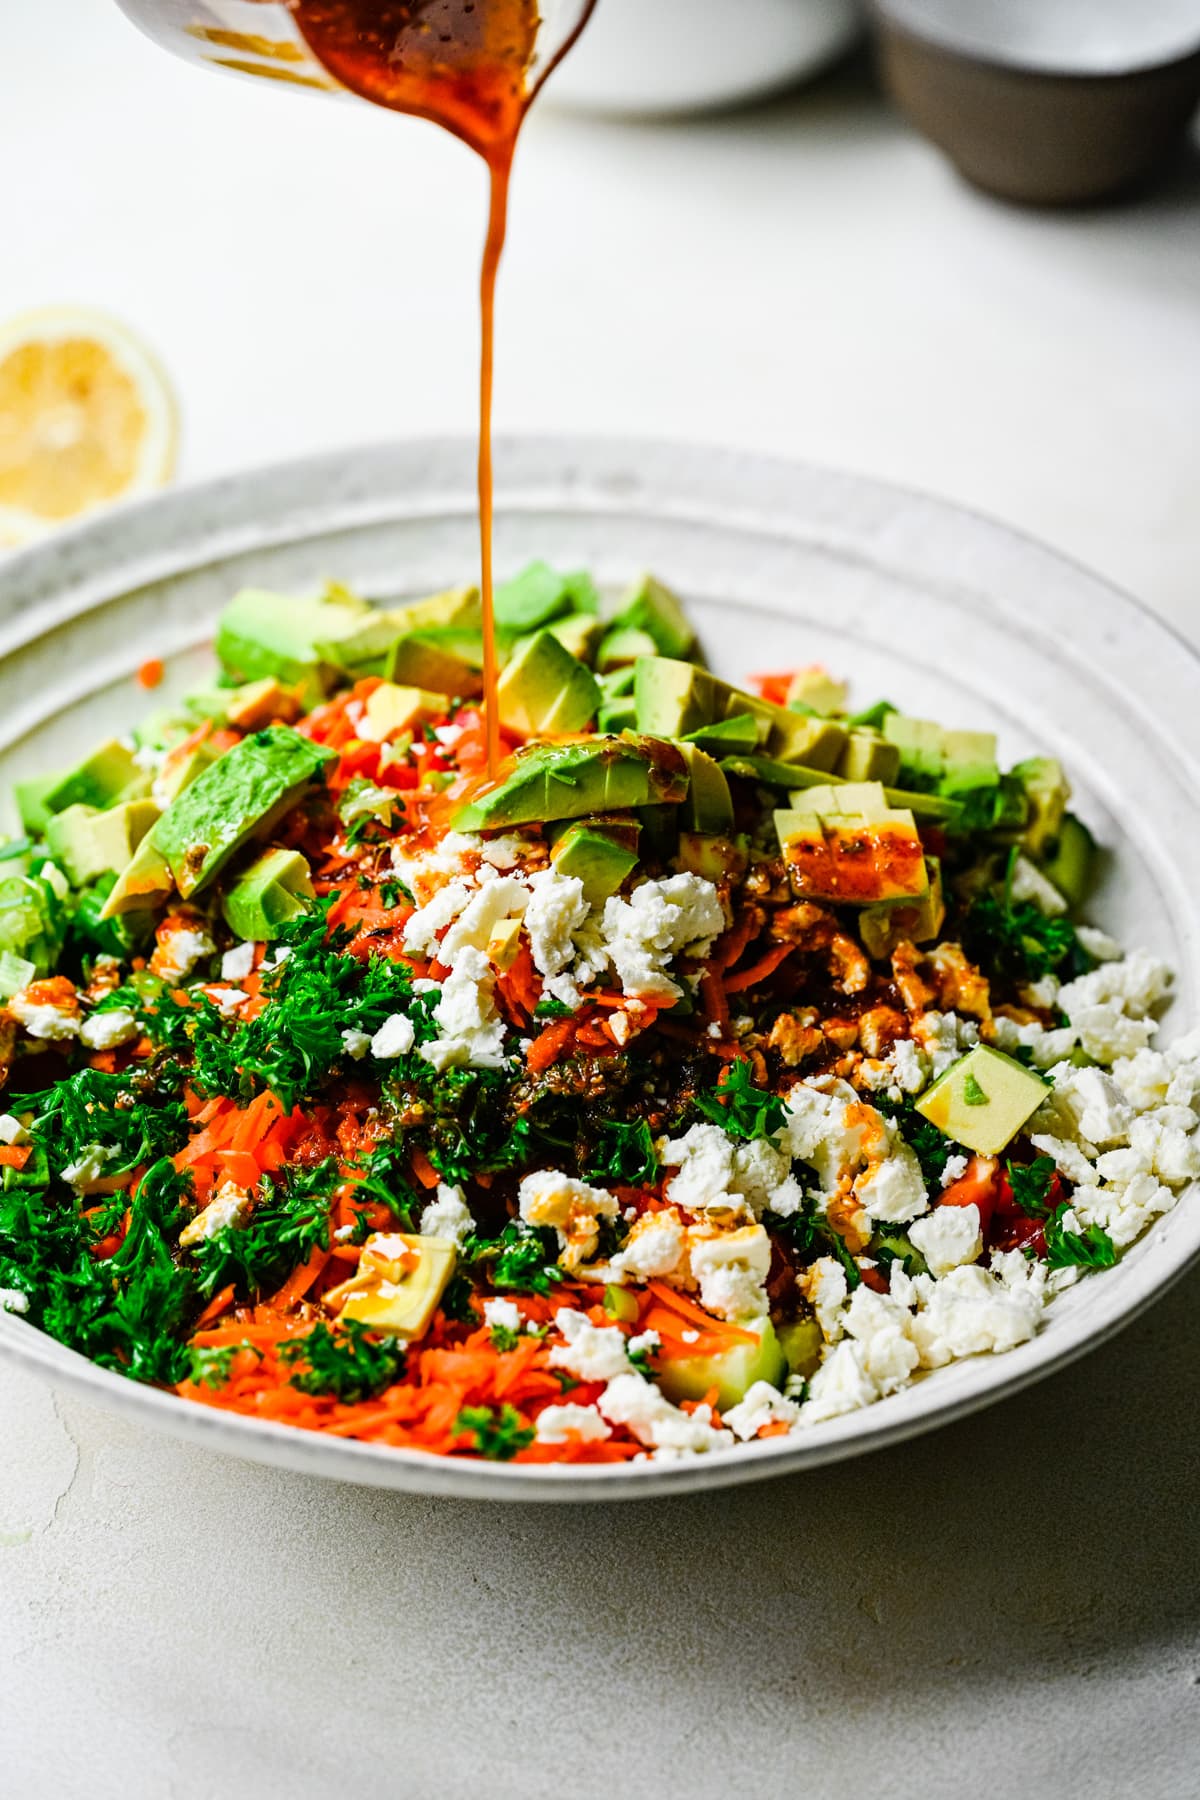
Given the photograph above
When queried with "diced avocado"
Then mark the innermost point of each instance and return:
(802, 1342)
(958, 765)
(883, 927)
(448, 660)
(397, 1293)
(599, 861)
(532, 598)
(983, 1100)
(620, 1304)
(88, 844)
(16, 972)
(159, 729)
(673, 698)
(239, 797)
(732, 1372)
(1047, 792)
(368, 648)
(259, 703)
(116, 936)
(30, 797)
(868, 757)
(717, 859)
(31, 920)
(569, 781)
(181, 768)
(787, 736)
(391, 709)
(871, 717)
(888, 1245)
(654, 609)
(789, 775)
(262, 634)
(15, 854)
(617, 684)
(816, 690)
(623, 645)
(616, 715)
(580, 633)
(708, 807)
(274, 888)
(107, 775)
(727, 737)
(544, 689)
(1068, 863)
(504, 943)
(143, 884)
(845, 843)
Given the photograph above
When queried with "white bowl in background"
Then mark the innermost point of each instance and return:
(674, 56)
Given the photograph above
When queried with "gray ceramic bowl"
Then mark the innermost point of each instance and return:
(1051, 102)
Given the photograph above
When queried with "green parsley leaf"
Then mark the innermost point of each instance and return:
(624, 1152)
(523, 1258)
(348, 1363)
(1030, 1184)
(1092, 1248)
(289, 1220)
(741, 1108)
(498, 1431)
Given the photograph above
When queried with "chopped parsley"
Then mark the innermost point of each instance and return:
(1014, 941)
(212, 1363)
(741, 1108)
(288, 1222)
(810, 1234)
(497, 1431)
(931, 1147)
(347, 1364)
(1032, 1189)
(624, 1152)
(524, 1258)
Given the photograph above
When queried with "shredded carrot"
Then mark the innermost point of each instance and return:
(150, 673)
(549, 1045)
(14, 1156)
(216, 1306)
(422, 1168)
(767, 965)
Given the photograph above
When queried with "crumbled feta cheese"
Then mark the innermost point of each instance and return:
(237, 963)
(826, 1289)
(1028, 883)
(1100, 1112)
(948, 1237)
(1137, 983)
(908, 1065)
(638, 1405)
(52, 1024)
(447, 1216)
(105, 1030)
(12, 1300)
(551, 1198)
(502, 1315)
(395, 1037)
(704, 1158)
(86, 1175)
(471, 1030)
(177, 952)
(557, 1424)
(1123, 1210)
(498, 901)
(970, 1311)
(881, 1325)
(732, 1269)
(557, 910)
(356, 1043)
(229, 1210)
(956, 1167)
(12, 1131)
(653, 1248)
(591, 1352)
(840, 1385)
(660, 920)
(892, 1188)
(422, 930)
(761, 1405)
(1099, 946)
(644, 1342)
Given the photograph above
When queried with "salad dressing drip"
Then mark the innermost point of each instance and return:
(464, 64)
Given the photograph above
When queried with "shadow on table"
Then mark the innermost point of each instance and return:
(1037, 1539)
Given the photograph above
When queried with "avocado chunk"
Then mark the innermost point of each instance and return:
(181, 767)
(770, 773)
(623, 645)
(240, 796)
(30, 797)
(617, 715)
(847, 844)
(958, 765)
(1047, 792)
(144, 883)
(1068, 864)
(596, 858)
(31, 920)
(717, 859)
(732, 736)
(802, 1343)
(569, 781)
(107, 775)
(652, 608)
(544, 689)
(447, 659)
(732, 1372)
(274, 888)
(708, 807)
(815, 690)
(370, 650)
(787, 736)
(261, 703)
(580, 633)
(397, 1293)
(617, 684)
(673, 698)
(87, 844)
(883, 927)
(537, 595)
(261, 634)
(869, 757)
(983, 1100)
(390, 709)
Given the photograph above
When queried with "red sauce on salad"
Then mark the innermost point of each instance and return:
(466, 65)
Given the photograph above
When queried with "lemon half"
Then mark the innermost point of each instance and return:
(86, 417)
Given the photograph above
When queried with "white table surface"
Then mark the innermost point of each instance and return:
(1008, 1608)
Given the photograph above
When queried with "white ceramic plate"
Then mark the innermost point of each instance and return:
(944, 612)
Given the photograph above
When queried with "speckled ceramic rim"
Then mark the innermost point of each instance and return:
(1032, 617)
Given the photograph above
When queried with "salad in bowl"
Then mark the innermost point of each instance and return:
(730, 1059)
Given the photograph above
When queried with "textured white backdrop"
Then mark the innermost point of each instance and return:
(1009, 1607)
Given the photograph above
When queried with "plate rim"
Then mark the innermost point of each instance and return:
(175, 530)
